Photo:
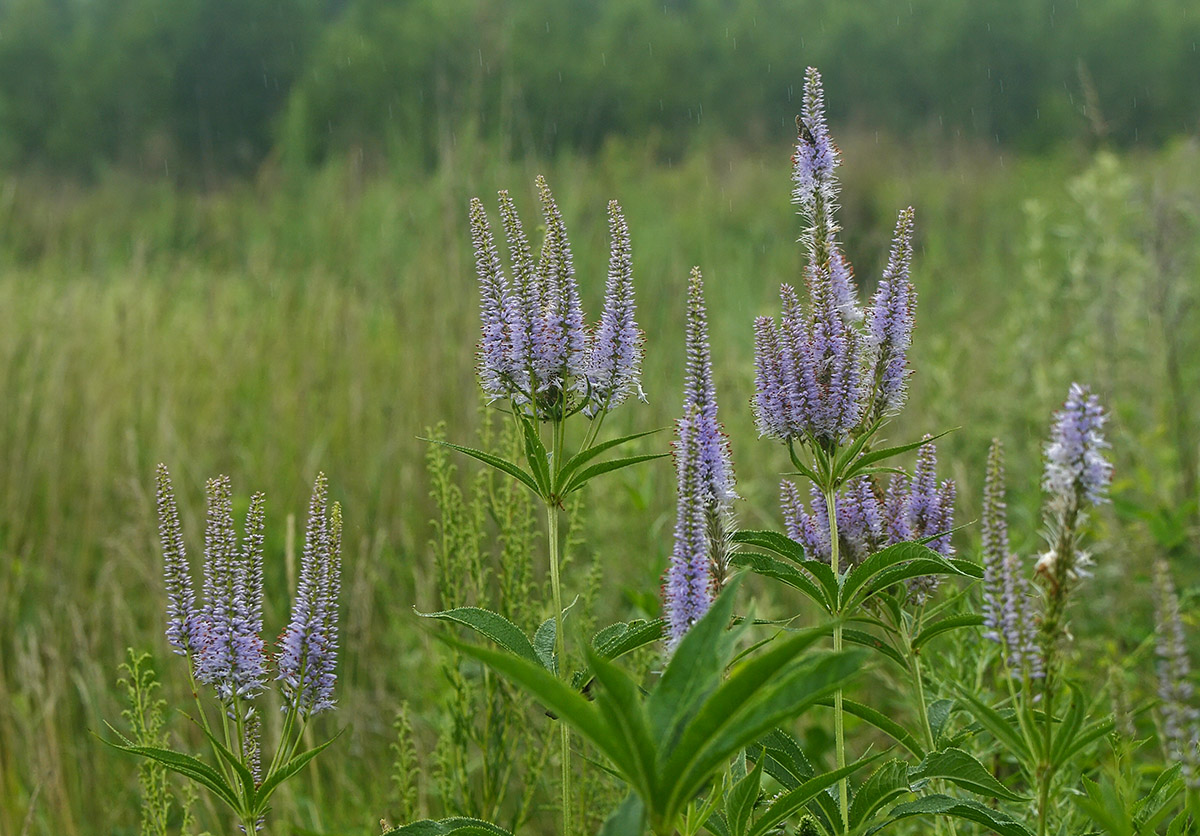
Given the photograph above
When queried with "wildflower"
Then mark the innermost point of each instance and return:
(615, 357)
(1008, 606)
(859, 522)
(890, 324)
(308, 648)
(1076, 470)
(930, 514)
(215, 660)
(813, 165)
(182, 618)
(705, 481)
(495, 344)
(1181, 735)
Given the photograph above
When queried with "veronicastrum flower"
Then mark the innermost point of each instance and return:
(705, 482)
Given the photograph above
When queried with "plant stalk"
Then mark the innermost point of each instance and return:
(839, 720)
(560, 639)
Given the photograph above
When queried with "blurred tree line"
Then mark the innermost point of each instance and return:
(218, 86)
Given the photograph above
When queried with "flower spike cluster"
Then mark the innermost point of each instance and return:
(308, 648)
(534, 349)
(1181, 731)
(222, 637)
(1076, 471)
(821, 373)
(1009, 610)
(705, 483)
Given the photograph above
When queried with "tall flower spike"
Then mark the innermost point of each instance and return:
(616, 348)
(249, 664)
(705, 481)
(308, 649)
(813, 165)
(215, 661)
(494, 347)
(930, 513)
(562, 342)
(810, 530)
(997, 588)
(890, 324)
(830, 373)
(1076, 470)
(523, 303)
(1179, 719)
(182, 618)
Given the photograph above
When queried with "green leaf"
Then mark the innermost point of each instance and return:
(868, 459)
(914, 569)
(740, 801)
(287, 770)
(543, 644)
(492, 626)
(786, 761)
(963, 769)
(620, 701)
(584, 456)
(694, 670)
(788, 574)
(565, 702)
(616, 640)
(794, 799)
(784, 546)
(187, 766)
(875, 643)
(1087, 736)
(1065, 734)
(239, 769)
(456, 826)
(536, 455)
(629, 819)
(716, 825)
(882, 722)
(759, 693)
(851, 453)
(895, 563)
(939, 712)
(1001, 729)
(584, 476)
(503, 465)
(885, 784)
(953, 622)
(962, 808)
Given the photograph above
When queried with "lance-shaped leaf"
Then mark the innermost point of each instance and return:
(581, 458)
(962, 808)
(629, 819)
(795, 799)
(187, 766)
(867, 459)
(945, 625)
(963, 769)
(786, 573)
(492, 626)
(740, 801)
(616, 640)
(287, 770)
(503, 465)
(1001, 729)
(885, 785)
(784, 546)
(538, 458)
(587, 474)
(882, 722)
(895, 563)
(620, 703)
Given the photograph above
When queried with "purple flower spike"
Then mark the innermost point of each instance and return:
(616, 349)
(930, 512)
(308, 648)
(494, 347)
(182, 619)
(563, 347)
(1076, 470)
(813, 165)
(249, 669)
(830, 375)
(890, 324)
(994, 530)
(214, 663)
(705, 482)
(1181, 736)
(770, 401)
(810, 530)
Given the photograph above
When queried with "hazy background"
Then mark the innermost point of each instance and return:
(233, 238)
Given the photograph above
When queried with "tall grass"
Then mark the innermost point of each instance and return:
(272, 329)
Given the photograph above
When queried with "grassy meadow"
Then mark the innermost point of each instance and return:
(326, 320)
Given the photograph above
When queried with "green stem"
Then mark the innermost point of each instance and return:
(923, 708)
(560, 639)
(839, 719)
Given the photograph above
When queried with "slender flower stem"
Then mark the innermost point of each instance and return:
(839, 721)
(922, 708)
(560, 639)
